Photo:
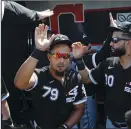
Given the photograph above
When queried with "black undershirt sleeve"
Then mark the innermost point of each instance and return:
(104, 51)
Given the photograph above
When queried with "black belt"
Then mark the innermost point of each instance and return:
(118, 125)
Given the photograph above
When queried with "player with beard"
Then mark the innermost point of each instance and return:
(114, 73)
(58, 94)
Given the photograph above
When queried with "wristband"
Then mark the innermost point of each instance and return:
(8, 121)
(37, 54)
(80, 64)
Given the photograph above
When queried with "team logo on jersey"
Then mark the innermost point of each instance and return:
(109, 67)
(72, 94)
(51, 81)
(128, 87)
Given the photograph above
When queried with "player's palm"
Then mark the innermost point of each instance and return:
(41, 41)
(45, 14)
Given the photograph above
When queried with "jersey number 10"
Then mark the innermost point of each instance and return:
(109, 80)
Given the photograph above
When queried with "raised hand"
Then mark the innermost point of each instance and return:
(41, 41)
(78, 50)
(113, 23)
(45, 14)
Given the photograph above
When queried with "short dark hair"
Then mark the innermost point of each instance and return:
(126, 35)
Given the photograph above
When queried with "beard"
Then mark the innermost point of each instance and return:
(60, 74)
(118, 52)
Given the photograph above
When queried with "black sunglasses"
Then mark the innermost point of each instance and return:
(116, 39)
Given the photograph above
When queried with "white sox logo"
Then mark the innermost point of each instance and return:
(128, 87)
(72, 94)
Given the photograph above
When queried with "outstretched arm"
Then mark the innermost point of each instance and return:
(19, 14)
(106, 49)
(25, 77)
(94, 75)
